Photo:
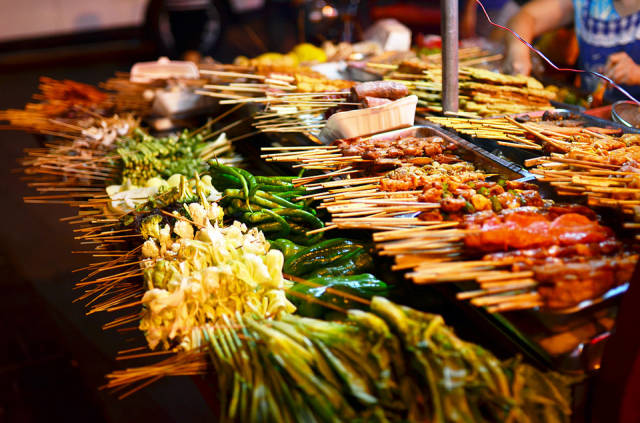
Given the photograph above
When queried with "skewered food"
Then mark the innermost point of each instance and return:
(61, 108)
(390, 364)
(203, 274)
(382, 89)
(482, 92)
(396, 151)
(524, 229)
(374, 101)
(567, 283)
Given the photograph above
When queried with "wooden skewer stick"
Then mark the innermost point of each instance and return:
(232, 74)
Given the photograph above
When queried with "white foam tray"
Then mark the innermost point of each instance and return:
(356, 123)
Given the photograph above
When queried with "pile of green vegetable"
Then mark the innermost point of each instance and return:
(390, 364)
(267, 203)
(143, 156)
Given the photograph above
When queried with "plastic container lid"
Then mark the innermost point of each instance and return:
(163, 68)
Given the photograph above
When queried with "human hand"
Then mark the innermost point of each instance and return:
(517, 60)
(622, 69)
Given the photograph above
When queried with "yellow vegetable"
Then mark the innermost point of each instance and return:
(309, 53)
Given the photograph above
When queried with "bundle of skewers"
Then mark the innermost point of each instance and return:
(180, 236)
(481, 92)
(551, 257)
(215, 295)
(287, 102)
(433, 208)
(393, 61)
(599, 163)
(174, 246)
(63, 108)
(77, 168)
(550, 133)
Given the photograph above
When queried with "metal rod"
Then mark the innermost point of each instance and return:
(449, 32)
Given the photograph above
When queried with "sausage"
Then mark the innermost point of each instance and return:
(383, 89)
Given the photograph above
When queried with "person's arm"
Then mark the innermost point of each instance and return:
(468, 20)
(533, 19)
(622, 69)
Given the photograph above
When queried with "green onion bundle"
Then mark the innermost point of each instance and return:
(390, 364)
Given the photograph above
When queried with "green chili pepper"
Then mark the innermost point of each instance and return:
(276, 188)
(277, 199)
(279, 227)
(263, 202)
(301, 216)
(362, 285)
(288, 248)
(223, 181)
(234, 172)
(323, 245)
(320, 254)
(275, 180)
(290, 195)
(495, 204)
(357, 261)
(300, 237)
(251, 180)
(468, 207)
(258, 216)
(483, 191)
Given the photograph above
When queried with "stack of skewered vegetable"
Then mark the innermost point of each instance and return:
(482, 92)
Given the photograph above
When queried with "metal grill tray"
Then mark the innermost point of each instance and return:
(468, 151)
(491, 163)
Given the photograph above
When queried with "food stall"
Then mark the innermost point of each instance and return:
(307, 248)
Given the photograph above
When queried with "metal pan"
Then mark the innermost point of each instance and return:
(466, 150)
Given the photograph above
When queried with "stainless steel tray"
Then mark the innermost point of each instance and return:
(466, 150)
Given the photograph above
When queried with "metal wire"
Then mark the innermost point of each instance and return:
(546, 59)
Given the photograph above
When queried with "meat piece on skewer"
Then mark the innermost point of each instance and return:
(524, 230)
(565, 284)
(403, 149)
(383, 89)
(535, 255)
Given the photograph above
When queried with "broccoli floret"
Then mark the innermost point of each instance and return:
(150, 226)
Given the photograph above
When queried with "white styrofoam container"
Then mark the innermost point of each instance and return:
(163, 68)
(356, 123)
